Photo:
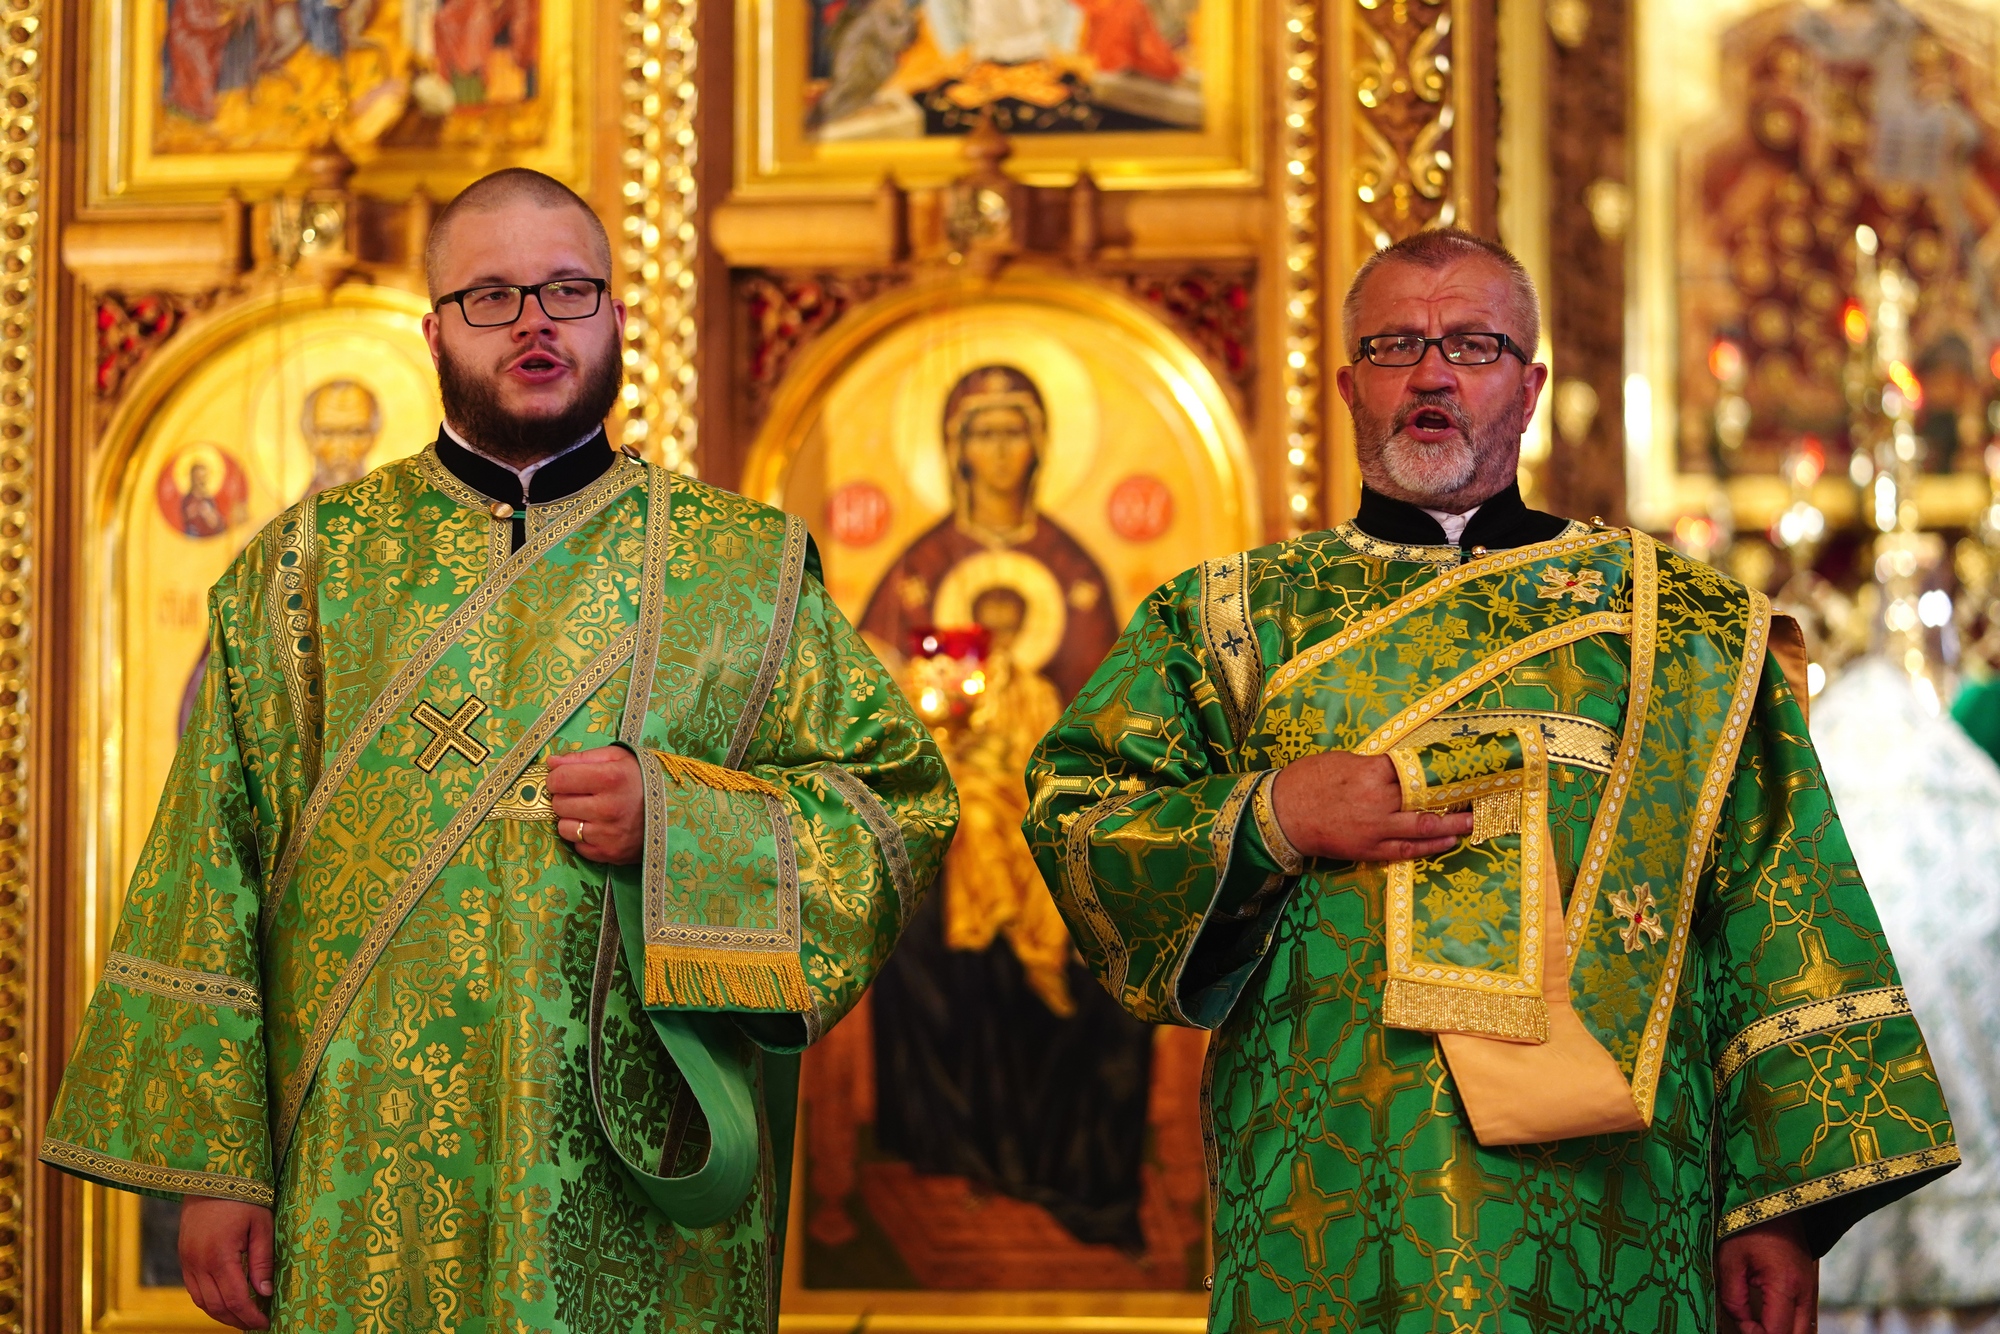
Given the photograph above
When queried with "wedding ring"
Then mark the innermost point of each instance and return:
(579, 832)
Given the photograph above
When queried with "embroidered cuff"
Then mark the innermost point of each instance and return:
(1289, 859)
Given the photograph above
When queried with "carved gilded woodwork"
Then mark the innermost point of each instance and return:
(22, 201)
(1301, 273)
(1412, 128)
(656, 234)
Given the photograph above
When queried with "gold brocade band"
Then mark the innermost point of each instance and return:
(1283, 851)
(145, 1176)
(1580, 743)
(528, 800)
(1407, 1004)
(1805, 1020)
(1846, 1182)
(741, 981)
(182, 984)
(703, 774)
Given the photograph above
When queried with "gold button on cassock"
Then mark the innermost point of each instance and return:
(501, 510)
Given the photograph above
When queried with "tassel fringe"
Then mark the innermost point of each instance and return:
(681, 769)
(1496, 815)
(710, 979)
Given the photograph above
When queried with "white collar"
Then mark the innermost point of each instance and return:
(1453, 524)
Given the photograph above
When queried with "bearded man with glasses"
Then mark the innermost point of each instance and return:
(1492, 847)
(546, 808)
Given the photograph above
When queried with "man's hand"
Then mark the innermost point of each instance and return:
(1349, 808)
(1767, 1280)
(225, 1253)
(600, 805)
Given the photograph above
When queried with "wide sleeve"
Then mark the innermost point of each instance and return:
(1828, 1107)
(165, 1090)
(1161, 857)
(788, 883)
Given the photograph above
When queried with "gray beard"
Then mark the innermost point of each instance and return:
(1424, 469)
(1431, 474)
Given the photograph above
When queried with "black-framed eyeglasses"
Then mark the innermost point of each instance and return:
(501, 303)
(1460, 349)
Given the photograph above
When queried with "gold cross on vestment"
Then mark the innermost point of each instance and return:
(1642, 924)
(1465, 1292)
(1465, 1186)
(1576, 585)
(449, 734)
(1308, 1210)
(1819, 977)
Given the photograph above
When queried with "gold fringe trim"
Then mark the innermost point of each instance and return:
(1439, 1009)
(1496, 815)
(703, 774)
(679, 975)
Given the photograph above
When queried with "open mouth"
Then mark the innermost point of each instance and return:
(538, 363)
(1432, 420)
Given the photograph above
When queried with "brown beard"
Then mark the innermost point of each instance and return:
(472, 405)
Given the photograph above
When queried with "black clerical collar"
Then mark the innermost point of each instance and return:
(560, 477)
(1503, 521)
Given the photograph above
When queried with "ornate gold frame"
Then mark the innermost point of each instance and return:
(113, 1300)
(1676, 86)
(121, 164)
(773, 156)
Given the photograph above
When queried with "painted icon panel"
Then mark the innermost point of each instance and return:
(997, 481)
(310, 398)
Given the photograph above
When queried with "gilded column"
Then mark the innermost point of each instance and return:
(21, 176)
(657, 231)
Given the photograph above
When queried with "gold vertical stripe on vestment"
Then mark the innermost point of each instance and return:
(784, 612)
(889, 834)
(1082, 883)
(1715, 786)
(1235, 658)
(1644, 639)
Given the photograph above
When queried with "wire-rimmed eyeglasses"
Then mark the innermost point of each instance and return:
(501, 303)
(1460, 349)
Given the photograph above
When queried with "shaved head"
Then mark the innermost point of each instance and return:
(503, 189)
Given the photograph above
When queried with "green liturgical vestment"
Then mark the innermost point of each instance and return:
(1525, 1085)
(360, 978)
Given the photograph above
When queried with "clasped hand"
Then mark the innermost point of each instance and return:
(1349, 808)
(600, 804)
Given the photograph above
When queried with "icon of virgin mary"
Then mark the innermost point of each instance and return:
(995, 438)
(998, 1058)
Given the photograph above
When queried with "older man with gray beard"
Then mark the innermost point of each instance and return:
(1492, 847)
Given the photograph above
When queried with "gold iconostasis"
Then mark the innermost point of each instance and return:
(1025, 308)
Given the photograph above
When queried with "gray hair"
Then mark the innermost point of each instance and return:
(1435, 248)
(496, 191)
